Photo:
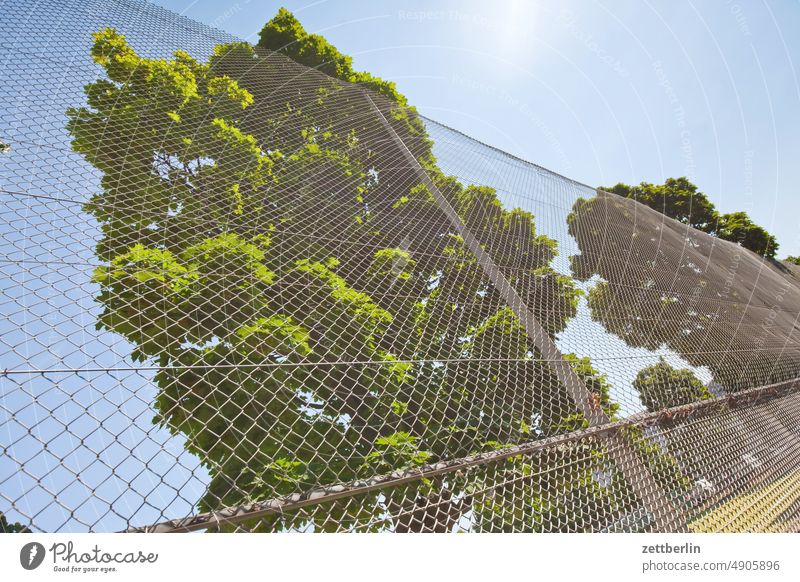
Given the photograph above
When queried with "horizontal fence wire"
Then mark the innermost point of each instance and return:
(510, 454)
(239, 294)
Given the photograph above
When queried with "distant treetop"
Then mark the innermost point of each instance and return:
(285, 34)
(680, 199)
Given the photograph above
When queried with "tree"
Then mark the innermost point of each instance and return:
(737, 227)
(284, 34)
(677, 198)
(793, 260)
(680, 199)
(696, 444)
(662, 386)
(315, 318)
(664, 297)
(16, 527)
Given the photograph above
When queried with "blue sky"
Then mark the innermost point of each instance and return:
(599, 91)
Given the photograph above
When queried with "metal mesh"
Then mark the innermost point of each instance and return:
(313, 309)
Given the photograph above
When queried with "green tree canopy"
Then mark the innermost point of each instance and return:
(314, 316)
(737, 227)
(663, 386)
(677, 198)
(284, 34)
(664, 296)
(680, 199)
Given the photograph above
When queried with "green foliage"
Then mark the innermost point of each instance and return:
(680, 199)
(390, 264)
(16, 527)
(793, 260)
(662, 386)
(286, 35)
(737, 227)
(399, 450)
(596, 383)
(288, 360)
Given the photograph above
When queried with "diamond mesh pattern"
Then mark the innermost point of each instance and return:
(291, 303)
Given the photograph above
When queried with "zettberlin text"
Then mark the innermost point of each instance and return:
(671, 549)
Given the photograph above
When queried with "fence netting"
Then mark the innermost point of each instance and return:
(241, 295)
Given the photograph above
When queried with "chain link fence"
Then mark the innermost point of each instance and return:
(241, 295)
